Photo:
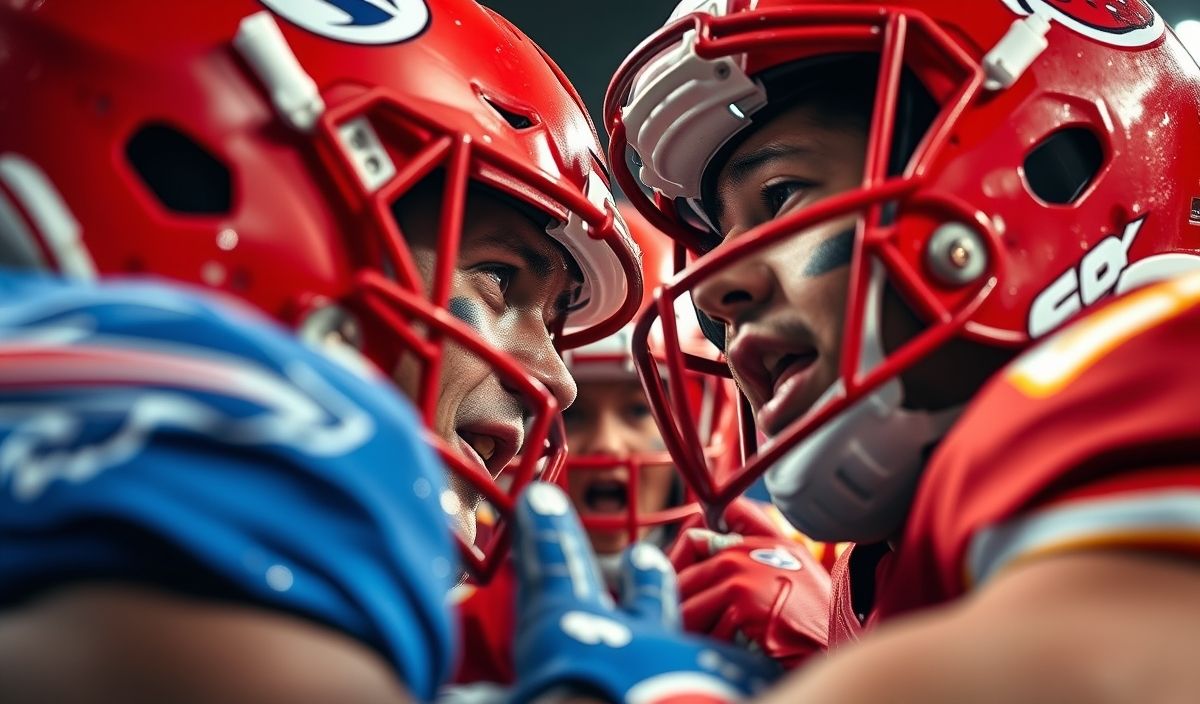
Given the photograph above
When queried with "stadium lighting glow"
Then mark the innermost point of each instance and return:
(1189, 33)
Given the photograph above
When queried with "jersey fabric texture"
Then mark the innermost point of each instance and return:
(1087, 441)
(151, 435)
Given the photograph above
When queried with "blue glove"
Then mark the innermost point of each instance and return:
(572, 637)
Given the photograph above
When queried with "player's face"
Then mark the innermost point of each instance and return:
(783, 307)
(612, 419)
(511, 284)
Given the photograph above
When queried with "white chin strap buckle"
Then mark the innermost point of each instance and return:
(293, 92)
(1015, 52)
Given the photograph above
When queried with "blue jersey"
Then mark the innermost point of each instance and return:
(148, 434)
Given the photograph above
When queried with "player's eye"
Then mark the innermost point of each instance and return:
(501, 275)
(638, 410)
(575, 417)
(781, 195)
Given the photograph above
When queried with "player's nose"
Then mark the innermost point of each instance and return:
(733, 292)
(540, 359)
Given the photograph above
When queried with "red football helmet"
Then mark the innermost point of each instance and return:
(611, 360)
(257, 149)
(1047, 174)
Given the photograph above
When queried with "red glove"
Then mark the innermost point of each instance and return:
(757, 587)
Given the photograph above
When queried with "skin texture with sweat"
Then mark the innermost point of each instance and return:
(511, 284)
(792, 161)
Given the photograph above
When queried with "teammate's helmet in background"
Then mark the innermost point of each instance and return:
(258, 149)
(611, 360)
(1025, 160)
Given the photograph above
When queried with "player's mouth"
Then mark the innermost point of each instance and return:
(791, 395)
(607, 494)
(489, 446)
(778, 375)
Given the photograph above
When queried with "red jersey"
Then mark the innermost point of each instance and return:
(1089, 440)
(487, 621)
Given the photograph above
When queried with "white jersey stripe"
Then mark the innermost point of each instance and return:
(1174, 512)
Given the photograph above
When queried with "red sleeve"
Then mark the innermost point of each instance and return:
(1091, 439)
(487, 617)
(844, 625)
(856, 576)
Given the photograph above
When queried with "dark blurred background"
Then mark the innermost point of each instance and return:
(589, 39)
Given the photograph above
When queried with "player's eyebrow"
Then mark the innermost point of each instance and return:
(542, 263)
(741, 167)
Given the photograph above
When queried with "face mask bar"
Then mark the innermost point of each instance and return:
(396, 307)
(611, 361)
(633, 520)
(399, 315)
(895, 36)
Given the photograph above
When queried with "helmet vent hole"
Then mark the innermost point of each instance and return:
(183, 175)
(1063, 165)
(516, 120)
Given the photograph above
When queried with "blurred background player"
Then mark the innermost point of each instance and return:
(194, 505)
(624, 485)
(619, 474)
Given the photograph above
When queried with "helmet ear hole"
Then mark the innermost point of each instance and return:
(184, 176)
(1063, 165)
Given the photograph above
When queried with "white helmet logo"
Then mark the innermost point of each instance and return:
(1125, 23)
(372, 22)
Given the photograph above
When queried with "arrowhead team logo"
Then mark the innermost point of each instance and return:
(372, 22)
(1125, 23)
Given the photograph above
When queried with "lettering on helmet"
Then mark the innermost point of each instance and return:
(1124, 23)
(1096, 275)
(371, 22)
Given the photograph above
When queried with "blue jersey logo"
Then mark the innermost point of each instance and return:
(100, 408)
(356, 21)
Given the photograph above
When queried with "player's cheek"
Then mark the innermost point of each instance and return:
(654, 486)
(462, 367)
(648, 433)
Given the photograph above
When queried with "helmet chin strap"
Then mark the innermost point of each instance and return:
(852, 479)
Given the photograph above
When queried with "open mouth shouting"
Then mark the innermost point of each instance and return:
(490, 446)
(606, 493)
